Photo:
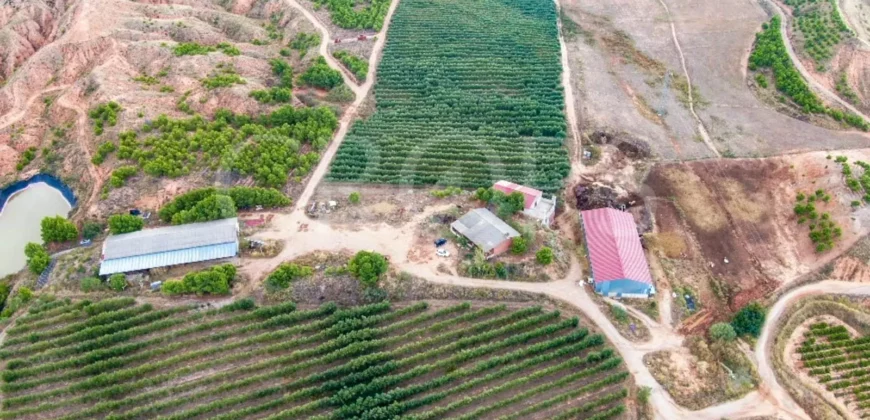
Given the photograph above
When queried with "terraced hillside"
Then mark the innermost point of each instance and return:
(468, 92)
(120, 360)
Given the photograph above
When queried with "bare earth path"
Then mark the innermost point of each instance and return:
(816, 86)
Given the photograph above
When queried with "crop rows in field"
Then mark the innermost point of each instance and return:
(468, 92)
(821, 27)
(117, 360)
(840, 362)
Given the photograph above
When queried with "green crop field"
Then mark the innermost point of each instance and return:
(468, 92)
(840, 362)
(120, 360)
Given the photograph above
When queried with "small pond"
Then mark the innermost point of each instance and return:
(22, 207)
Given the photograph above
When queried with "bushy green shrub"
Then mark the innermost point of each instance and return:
(37, 257)
(92, 229)
(216, 280)
(749, 320)
(368, 267)
(320, 75)
(304, 41)
(356, 65)
(519, 246)
(544, 256)
(722, 332)
(125, 223)
(118, 282)
(121, 174)
(354, 197)
(91, 284)
(58, 229)
(285, 274)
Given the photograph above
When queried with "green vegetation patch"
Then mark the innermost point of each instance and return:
(304, 41)
(356, 65)
(468, 92)
(241, 361)
(193, 48)
(26, 158)
(203, 204)
(823, 231)
(224, 75)
(216, 280)
(350, 14)
(283, 92)
(769, 52)
(320, 75)
(103, 114)
(820, 26)
(267, 147)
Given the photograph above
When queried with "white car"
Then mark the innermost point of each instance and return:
(441, 252)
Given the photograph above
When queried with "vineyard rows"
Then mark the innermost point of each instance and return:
(840, 363)
(116, 359)
(468, 92)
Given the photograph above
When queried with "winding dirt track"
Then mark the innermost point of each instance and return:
(816, 86)
(361, 92)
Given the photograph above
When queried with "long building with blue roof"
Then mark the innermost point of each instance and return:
(169, 246)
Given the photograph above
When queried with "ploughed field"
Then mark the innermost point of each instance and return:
(121, 360)
(468, 92)
(840, 362)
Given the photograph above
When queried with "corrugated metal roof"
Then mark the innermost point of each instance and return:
(484, 229)
(168, 258)
(171, 238)
(615, 252)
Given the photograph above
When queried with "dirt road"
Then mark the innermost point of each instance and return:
(570, 111)
(816, 86)
(361, 92)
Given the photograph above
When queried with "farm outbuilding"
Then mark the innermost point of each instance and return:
(168, 246)
(535, 205)
(619, 266)
(486, 230)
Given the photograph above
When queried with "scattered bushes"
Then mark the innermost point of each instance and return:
(224, 75)
(104, 149)
(58, 229)
(823, 231)
(104, 114)
(125, 223)
(285, 274)
(368, 267)
(193, 48)
(26, 158)
(121, 174)
(37, 257)
(320, 75)
(446, 192)
(213, 281)
(341, 94)
(304, 41)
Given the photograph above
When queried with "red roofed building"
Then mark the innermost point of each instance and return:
(536, 206)
(619, 266)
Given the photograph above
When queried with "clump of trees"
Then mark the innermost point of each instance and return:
(285, 274)
(345, 14)
(506, 204)
(91, 229)
(824, 232)
(121, 174)
(356, 65)
(749, 320)
(213, 281)
(125, 223)
(320, 75)
(37, 257)
(199, 205)
(284, 89)
(58, 229)
(368, 267)
(722, 331)
(103, 114)
(103, 150)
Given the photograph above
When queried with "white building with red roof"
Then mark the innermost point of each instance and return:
(536, 205)
(618, 263)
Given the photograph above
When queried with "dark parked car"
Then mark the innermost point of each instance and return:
(440, 242)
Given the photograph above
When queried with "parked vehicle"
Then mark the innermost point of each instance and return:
(85, 242)
(441, 252)
(440, 242)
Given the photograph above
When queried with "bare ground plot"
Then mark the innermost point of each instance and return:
(742, 211)
(715, 51)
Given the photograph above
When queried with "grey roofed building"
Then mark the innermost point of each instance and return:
(485, 230)
(172, 245)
